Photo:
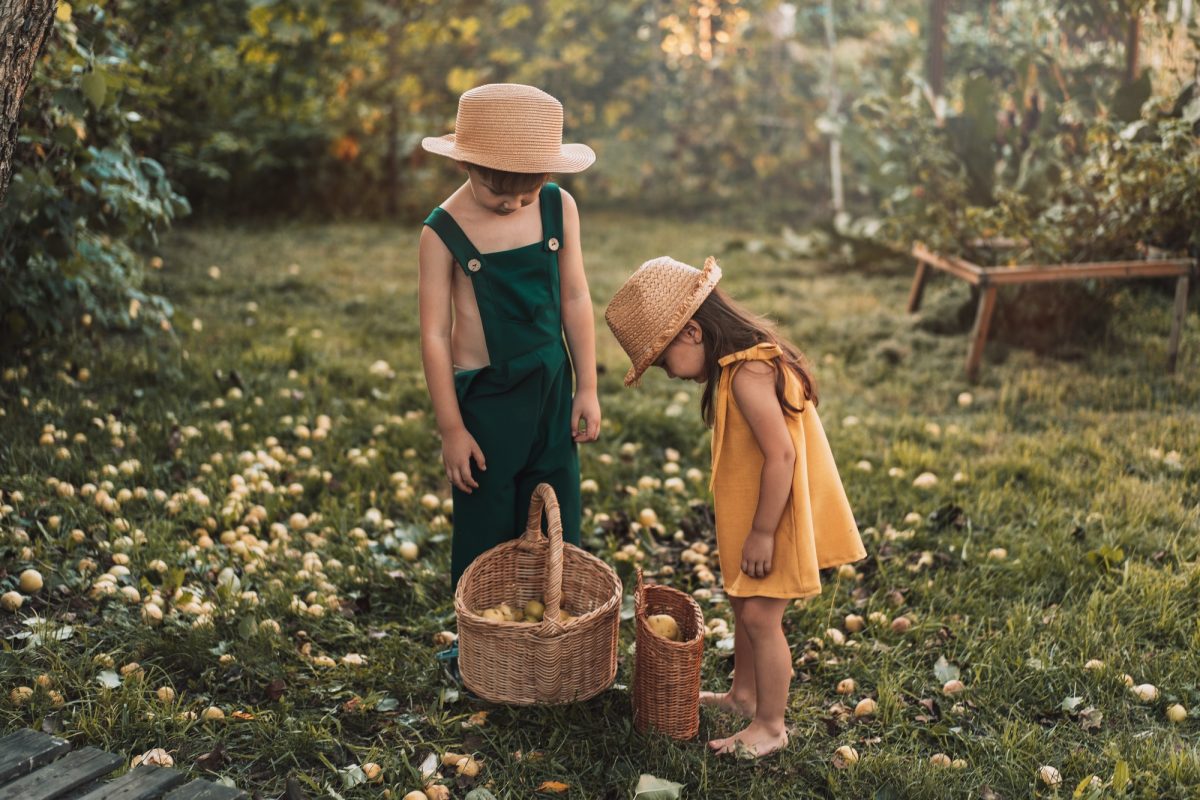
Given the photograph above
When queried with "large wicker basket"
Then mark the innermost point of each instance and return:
(666, 674)
(547, 662)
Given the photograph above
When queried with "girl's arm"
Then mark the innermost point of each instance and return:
(434, 288)
(754, 392)
(579, 324)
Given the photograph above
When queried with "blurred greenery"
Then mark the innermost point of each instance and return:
(311, 109)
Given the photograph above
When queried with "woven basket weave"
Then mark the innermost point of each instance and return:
(666, 674)
(548, 662)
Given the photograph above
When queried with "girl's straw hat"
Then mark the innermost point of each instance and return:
(511, 127)
(653, 306)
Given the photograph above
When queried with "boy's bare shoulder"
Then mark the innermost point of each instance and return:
(431, 248)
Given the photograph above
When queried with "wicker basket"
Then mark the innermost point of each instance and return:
(666, 674)
(548, 662)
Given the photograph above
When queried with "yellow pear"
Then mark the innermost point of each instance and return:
(534, 610)
(665, 626)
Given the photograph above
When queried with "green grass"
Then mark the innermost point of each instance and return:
(1067, 465)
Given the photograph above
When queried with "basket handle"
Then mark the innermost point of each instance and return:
(639, 596)
(544, 499)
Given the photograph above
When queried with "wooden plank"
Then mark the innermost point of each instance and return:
(1005, 276)
(69, 772)
(918, 287)
(25, 750)
(1177, 318)
(958, 267)
(203, 790)
(140, 783)
(983, 319)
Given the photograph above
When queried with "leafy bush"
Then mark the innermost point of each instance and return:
(83, 207)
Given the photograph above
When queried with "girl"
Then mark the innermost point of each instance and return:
(781, 511)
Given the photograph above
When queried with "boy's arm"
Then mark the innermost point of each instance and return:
(579, 324)
(434, 290)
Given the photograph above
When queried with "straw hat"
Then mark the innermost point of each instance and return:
(511, 127)
(653, 306)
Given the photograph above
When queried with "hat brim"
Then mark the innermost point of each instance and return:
(709, 276)
(572, 157)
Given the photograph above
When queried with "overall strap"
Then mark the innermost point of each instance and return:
(550, 200)
(447, 229)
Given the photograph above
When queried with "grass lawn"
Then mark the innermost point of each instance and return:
(253, 487)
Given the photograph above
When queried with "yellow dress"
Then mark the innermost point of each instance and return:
(817, 529)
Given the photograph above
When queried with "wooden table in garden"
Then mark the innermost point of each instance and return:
(34, 766)
(989, 279)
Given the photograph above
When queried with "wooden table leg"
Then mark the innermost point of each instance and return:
(918, 286)
(1181, 293)
(983, 319)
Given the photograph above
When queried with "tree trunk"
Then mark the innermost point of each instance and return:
(1132, 40)
(937, 47)
(835, 100)
(24, 27)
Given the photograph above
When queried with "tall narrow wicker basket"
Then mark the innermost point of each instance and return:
(548, 662)
(666, 674)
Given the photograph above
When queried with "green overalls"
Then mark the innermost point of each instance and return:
(518, 407)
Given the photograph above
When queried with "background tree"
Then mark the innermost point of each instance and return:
(24, 25)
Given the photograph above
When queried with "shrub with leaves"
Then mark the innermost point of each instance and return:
(84, 207)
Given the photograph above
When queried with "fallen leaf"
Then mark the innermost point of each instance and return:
(429, 766)
(1090, 719)
(650, 787)
(553, 787)
(944, 671)
(276, 688)
(478, 718)
(213, 759)
(242, 715)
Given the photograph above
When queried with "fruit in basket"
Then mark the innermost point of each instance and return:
(494, 614)
(510, 614)
(534, 610)
(665, 626)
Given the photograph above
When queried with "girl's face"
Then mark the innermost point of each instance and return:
(498, 202)
(684, 356)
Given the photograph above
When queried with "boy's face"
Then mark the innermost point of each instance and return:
(496, 201)
(684, 356)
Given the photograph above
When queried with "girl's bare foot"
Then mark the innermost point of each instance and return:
(755, 741)
(729, 703)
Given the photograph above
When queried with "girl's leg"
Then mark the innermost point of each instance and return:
(741, 697)
(762, 619)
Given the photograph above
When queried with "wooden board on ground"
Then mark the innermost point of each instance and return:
(34, 766)
(26, 750)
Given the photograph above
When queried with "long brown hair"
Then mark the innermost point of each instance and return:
(728, 327)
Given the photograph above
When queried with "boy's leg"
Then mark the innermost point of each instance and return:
(554, 458)
(503, 421)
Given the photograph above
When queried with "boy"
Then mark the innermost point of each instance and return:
(501, 281)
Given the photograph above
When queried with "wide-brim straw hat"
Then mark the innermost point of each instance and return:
(511, 127)
(652, 307)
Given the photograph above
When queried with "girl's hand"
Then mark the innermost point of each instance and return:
(585, 406)
(458, 448)
(757, 553)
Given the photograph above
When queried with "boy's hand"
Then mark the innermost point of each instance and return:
(757, 552)
(458, 448)
(586, 406)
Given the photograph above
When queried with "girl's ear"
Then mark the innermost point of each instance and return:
(692, 332)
